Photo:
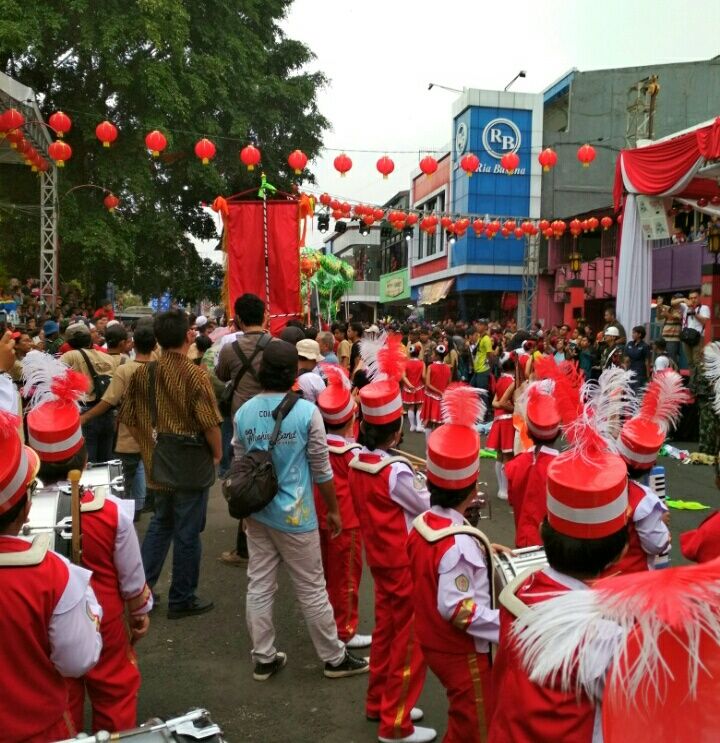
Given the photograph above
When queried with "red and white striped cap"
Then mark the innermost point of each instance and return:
(587, 498)
(381, 402)
(18, 465)
(336, 402)
(542, 416)
(54, 430)
(639, 442)
(453, 448)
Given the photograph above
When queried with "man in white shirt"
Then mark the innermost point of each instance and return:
(309, 382)
(694, 317)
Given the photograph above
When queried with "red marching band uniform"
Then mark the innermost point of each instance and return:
(110, 550)
(413, 393)
(341, 556)
(502, 432)
(449, 562)
(50, 616)
(438, 375)
(386, 501)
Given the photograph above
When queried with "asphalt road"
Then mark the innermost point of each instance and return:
(205, 661)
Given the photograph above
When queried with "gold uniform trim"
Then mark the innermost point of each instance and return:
(475, 675)
(464, 614)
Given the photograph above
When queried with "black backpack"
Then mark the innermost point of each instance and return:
(100, 381)
(225, 403)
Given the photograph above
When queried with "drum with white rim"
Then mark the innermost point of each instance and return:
(105, 473)
(50, 514)
(507, 566)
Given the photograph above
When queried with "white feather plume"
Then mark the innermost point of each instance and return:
(663, 398)
(711, 371)
(369, 347)
(38, 372)
(609, 402)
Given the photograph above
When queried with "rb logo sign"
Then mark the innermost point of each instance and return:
(500, 137)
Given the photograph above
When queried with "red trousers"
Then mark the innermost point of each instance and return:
(60, 730)
(466, 679)
(342, 565)
(112, 685)
(397, 667)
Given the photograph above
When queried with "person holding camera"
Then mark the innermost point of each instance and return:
(694, 317)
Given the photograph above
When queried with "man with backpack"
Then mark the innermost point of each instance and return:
(238, 366)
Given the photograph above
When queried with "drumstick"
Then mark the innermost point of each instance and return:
(74, 477)
(419, 461)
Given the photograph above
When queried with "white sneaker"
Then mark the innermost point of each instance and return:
(502, 495)
(420, 429)
(416, 714)
(419, 735)
(359, 641)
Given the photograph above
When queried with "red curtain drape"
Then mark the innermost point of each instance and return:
(244, 225)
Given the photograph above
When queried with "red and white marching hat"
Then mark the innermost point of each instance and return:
(453, 447)
(538, 406)
(384, 361)
(642, 436)
(53, 422)
(336, 402)
(18, 464)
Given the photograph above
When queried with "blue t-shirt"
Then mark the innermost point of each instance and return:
(293, 508)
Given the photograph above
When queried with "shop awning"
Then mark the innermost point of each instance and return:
(432, 293)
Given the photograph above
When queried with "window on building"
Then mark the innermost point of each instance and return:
(430, 245)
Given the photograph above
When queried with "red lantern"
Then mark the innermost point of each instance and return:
(548, 232)
(378, 214)
(398, 224)
(586, 154)
(337, 214)
(60, 123)
(342, 164)
(111, 202)
(446, 222)
(369, 219)
(205, 150)
(478, 226)
(155, 141)
(385, 166)
(548, 159)
(297, 160)
(558, 227)
(495, 226)
(463, 224)
(428, 165)
(60, 151)
(325, 199)
(606, 223)
(43, 165)
(593, 223)
(715, 200)
(528, 227)
(518, 232)
(334, 204)
(702, 201)
(510, 162)
(470, 163)
(411, 220)
(345, 208)
(505, 232)
(510, 225)
(250, 156)
(544, 224)
(106, 133)
(488, 232)
(12, 119)
(575, 227)
(427, 225)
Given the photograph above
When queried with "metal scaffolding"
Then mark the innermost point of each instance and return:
(529, 281)
(49, 237)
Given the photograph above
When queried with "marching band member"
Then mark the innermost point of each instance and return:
(386, 502)
(449, 563)
(437, 378)
(502, 433)
(585, 531)
(413, 392)
(702, 544)
(341, 555)
(110, 546)
(50, 617)
(638, 444)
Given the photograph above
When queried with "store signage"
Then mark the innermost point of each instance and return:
(395, 286)
(461, 138)
(501, 137)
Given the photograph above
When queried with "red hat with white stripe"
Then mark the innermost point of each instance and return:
(453, 447)
(336, 402)
(384, 362)
(18, 465)
(642, 436)
(53, 422)
(537, 404)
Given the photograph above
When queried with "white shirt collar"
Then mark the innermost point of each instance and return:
(565, 580)
(448, 513)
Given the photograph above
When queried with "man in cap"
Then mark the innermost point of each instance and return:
(53, 341)
(612, 355)
(309, 381)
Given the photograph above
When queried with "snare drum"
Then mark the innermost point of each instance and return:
(50, 514)
(105, 473)
(506, 567)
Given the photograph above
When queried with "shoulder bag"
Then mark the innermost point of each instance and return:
(180, 461)
(252, 482)
(226, 399)
(100, 381)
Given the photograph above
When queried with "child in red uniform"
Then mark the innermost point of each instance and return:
(50, 617)
(413, 393)
(502, 433)
(449, 563)
(386, 501)
(341, 555)
(437, 378)
(585, 531)
(110, 547)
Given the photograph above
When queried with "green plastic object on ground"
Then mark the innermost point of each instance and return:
(686, 505)
(488, 454)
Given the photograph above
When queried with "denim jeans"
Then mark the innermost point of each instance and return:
(179, 519)
(134, 478)
(226, 431)
(99, 434)
(481, 381)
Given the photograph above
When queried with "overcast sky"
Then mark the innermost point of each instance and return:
(380, 55)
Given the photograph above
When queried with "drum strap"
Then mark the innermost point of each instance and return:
(33, 556)
(374, 467)
(96, 503)
(343, 449)
(507, 597)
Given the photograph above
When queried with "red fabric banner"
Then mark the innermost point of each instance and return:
(245, 243)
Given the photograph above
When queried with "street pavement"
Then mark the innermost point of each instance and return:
(205, 662)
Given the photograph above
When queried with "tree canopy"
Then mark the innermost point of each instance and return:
(219, 68)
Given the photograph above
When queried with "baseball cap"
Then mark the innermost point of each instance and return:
(612, 331)
(201, 321)
(279, 354)
(50, 327)
(77, 330)
(309, 349)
